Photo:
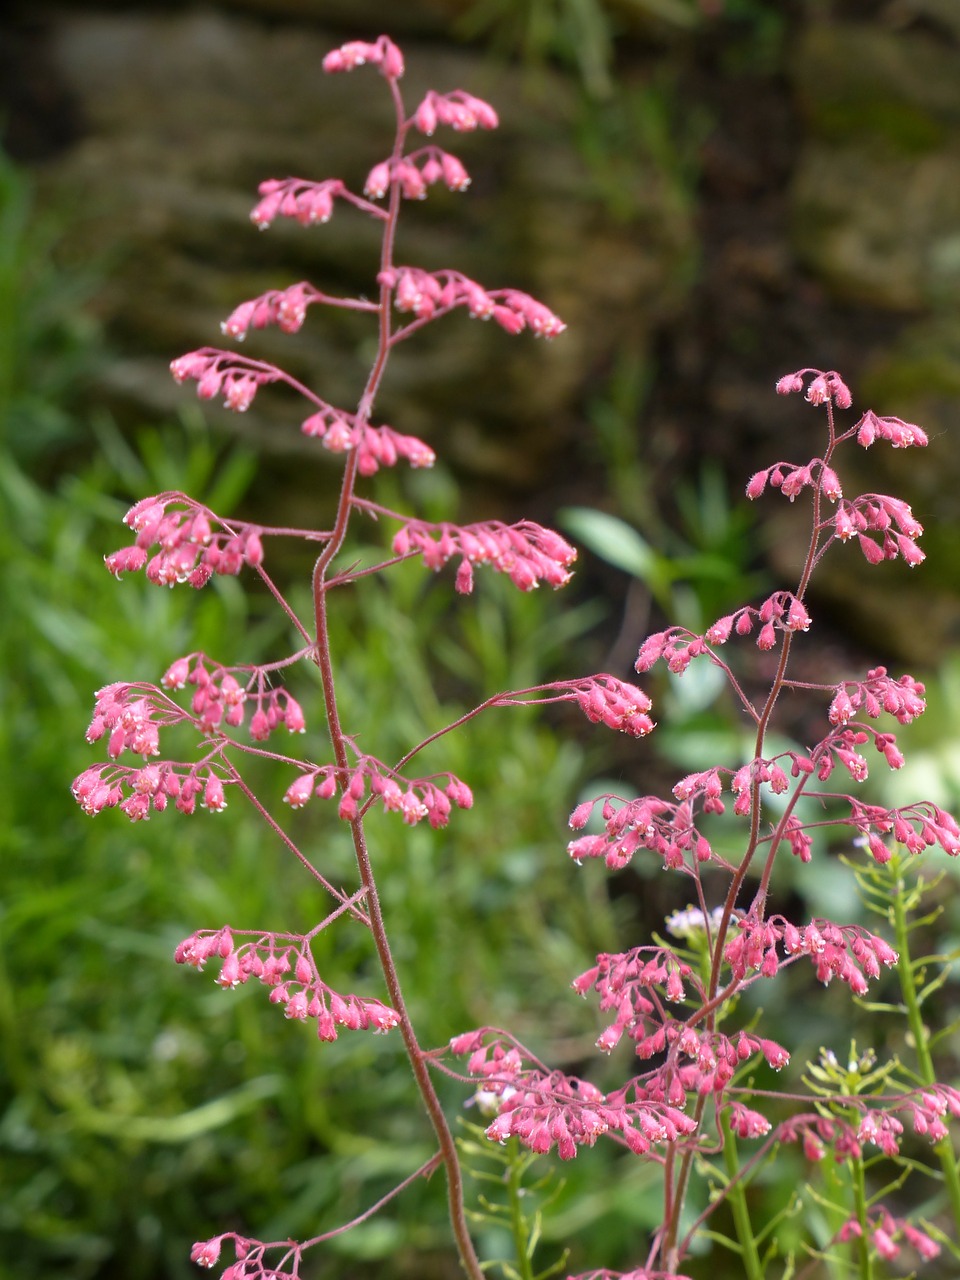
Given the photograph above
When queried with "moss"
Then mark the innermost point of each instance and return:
(905, 128)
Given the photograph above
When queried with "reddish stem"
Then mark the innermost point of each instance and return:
(338, 740)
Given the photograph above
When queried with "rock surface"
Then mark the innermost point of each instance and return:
(759, 192)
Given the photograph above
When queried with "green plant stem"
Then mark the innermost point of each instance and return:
(736, 1194)
(911, 1000)
(865, 1266)
(518, 1223)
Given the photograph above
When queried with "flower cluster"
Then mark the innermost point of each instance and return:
(546, 1109)
(605, 699)
(526, 552)
(840, 747)
(270, 957)
(415, 172)
(189, 550)
(821, 388)
(305, 201)
(756, 773)
(925, 1109)
(136, 791)
(220, 698)
(286, 308)
(877, 513)
(885, 1232)
(458, 109)
(916, 826)
(898, 433)
(237, 378)
(747, 1123)
(428, 294)
(382, 54)
(791, 479)
(903, 698)
(714, 1059)
(376, 447)
(849, 953)
(677, 646)
(621, 980)
(129, 721)
(643, 823)
(429, 798)
(634, 984)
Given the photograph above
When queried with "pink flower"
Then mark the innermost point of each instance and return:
(205, 1253)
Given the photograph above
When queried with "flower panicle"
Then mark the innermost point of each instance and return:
(544, 1109)
(139, 792)
(189, 549)
(427, 294)
(878, 694)
(432, 798)
(415, 173)
(916, 827)
(781, 613)
(526, 552)
(381, 53)
(376, 447)
(236, 377)
(303, 994)
(221, 700)
(821, 388)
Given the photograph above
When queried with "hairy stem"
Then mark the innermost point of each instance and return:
(736, 1194)
(322, 657)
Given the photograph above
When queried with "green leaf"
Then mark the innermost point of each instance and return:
(618, 543)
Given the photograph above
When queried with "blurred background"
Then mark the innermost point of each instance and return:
(711, 193)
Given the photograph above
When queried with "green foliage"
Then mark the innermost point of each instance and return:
(579, 33)
(511, 1208)
(46, 341)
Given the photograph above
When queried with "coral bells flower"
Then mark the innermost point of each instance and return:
(382, 54)
(746, 1123)
(130, 721)
(375, 446)
(605, 699)
(138, 791)
(188, 548)
(286, 308)
(225, 373)
(220, 701)
(822, 387)
(526, 552)
(899, 433)
(205, 1253)
(271, 958)
(879, 693)
(430, 798)
(461, 111)
(428, 294)
(916, 826)
(644, 823)
(308, 203)
(415, 173)
(890, 517)
(547, 1109)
